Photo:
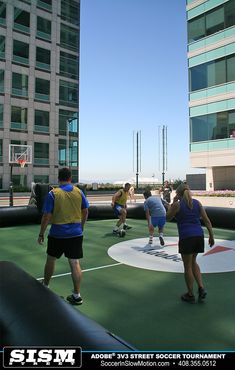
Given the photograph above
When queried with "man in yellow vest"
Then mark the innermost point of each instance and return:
(66, 208)
(119, 205)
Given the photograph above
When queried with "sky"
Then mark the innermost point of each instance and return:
(133, 77)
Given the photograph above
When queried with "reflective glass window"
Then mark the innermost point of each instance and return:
(1, 115)
(68, 93)
(198, 77)
(43, 58)
(19, 84)
(20, 52)
(1, 80)
(229, 9)
(68, 65)
(19, 118)
(216, 72)
(41, 179)
(69, 37)
(41, 153)
(2, 47)
(45, 4)
(62, 152)
(2, 12)
(68, 122)
(196, 28)
(70, 11)
(214, 126)
(21, 20)
(43, 28)
(41, 121)
(215, 21)
(231, 68)
(42, 89)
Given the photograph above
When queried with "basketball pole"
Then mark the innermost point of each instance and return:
(11, 187)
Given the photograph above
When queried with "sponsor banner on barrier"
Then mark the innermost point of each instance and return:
(32, 357)
(138, 253)
(42, 357)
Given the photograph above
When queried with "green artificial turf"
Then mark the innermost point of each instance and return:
(141, 306)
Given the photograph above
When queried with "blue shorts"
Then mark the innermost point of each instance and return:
(117, 209)
(158, 221)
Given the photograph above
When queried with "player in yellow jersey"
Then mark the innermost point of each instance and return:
(66, 208)
(119, 204)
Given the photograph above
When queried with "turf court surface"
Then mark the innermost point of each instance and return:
(141, 306)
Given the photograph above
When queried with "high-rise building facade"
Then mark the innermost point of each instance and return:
(211, 63)
(39, 85)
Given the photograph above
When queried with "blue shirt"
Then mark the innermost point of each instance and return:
(65, 230)
(155, 207)
(188, 220)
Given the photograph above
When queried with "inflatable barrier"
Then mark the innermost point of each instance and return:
(32, 315)
(9, 216)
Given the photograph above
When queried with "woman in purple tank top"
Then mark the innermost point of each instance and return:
(188, 212)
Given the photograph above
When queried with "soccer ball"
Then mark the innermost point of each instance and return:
(122, 233)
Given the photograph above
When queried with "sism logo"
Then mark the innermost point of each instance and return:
(41, 357)
(138, 253)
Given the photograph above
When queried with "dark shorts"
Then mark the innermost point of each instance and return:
(70, 247)
(192, 245)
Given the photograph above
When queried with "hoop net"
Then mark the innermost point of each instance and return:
(21, 162)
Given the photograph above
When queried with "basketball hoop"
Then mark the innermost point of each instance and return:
(21, 162)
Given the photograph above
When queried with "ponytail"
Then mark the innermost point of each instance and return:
(188, 198)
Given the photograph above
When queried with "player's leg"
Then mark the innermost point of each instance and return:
(161, 222)
(74, 251)
(54, 252)
(202, 293)
(151, 233)
(189, 278)
(49, 269)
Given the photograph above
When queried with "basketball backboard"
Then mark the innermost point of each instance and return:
(20, 153)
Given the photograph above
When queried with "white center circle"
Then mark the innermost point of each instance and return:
(138, 253)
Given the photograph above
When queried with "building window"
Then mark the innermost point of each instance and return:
(68, 65)
(41, 179)
(214, 126)
(41, 154)
(212, 21)
(62, 153)
(19, 84)
(1, 80)
(43, 28)
(41, 121)
(70, 11)
(68, 123)
(1, 150)
(21, 20)
(74, 176)
(20, 52)
(68, 93)
(1, 115)
(2, 13)
(19, 118)
(42, 89)
(212, 73)
(69, 37)
(2, 47)
(73, 153)
(43, 58)
(45, 4)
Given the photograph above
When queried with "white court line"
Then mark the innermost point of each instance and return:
(91, 269)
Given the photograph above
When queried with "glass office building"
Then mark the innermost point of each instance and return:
(211, 63)
(39, 85)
